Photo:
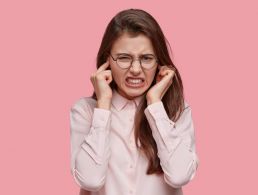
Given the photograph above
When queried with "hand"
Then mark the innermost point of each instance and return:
(100, 81)
(163, 81)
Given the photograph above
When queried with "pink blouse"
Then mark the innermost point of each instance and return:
(104, 158)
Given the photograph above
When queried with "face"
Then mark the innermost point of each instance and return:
(127, 80)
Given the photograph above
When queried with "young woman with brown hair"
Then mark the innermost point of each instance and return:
(135, 135)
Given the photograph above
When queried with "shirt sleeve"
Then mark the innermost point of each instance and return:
(90, 147)
(175, 143)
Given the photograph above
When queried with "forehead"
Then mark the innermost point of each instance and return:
(134, 45)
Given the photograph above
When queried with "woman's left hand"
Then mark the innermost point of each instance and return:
(163, 81)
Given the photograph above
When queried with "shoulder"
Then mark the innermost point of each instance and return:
(186, 105)
(84, 104)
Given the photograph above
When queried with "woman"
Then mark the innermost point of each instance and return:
(135, 134)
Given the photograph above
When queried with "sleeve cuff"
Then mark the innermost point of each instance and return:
(157, 110)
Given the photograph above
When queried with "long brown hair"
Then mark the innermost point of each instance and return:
(135, 22)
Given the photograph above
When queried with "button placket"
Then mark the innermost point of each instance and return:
(131, 141)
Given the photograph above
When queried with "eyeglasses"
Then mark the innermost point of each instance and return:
(147, 61)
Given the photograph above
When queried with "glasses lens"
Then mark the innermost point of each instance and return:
(124, 61)
(148, 61)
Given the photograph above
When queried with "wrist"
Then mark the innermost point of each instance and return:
(151, 101)
(104, 104)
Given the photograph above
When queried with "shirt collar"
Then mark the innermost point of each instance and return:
(119, 102)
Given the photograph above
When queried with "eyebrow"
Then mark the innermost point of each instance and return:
(118, 54)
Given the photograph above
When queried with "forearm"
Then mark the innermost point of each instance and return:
(90, 150)
(91, 163)
(175, 143)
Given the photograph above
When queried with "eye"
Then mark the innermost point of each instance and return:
(124, 58)
(147, 58)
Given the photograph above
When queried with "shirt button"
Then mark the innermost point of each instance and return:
(131, 191)
(131, 166)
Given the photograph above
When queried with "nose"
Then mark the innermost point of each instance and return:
(136, 67)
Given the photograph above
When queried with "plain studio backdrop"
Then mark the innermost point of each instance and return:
(48, 50)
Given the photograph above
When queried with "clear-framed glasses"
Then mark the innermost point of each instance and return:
(147, 61)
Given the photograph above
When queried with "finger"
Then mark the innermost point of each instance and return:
(162, 66)
(170, 68)
(92, 78)
(103, 67)
(108, 76)
(104, 76)
(167, 67)
(160, 74)
(161, 70)
(166, 74)
(166, 81)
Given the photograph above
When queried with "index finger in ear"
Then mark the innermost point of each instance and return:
(169, 67)
(173, 68)
(103, 66)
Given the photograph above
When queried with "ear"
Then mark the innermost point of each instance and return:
(158, 68)
(156, 73)
(108, 60)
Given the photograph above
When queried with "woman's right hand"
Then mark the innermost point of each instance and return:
(100, 81)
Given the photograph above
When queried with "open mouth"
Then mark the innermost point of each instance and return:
(134, 82)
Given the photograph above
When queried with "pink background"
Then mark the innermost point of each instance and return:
(48, 51)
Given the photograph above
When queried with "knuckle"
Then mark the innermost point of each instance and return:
(97, 76)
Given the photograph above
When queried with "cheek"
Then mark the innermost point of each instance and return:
(151, 77)
(117, 75)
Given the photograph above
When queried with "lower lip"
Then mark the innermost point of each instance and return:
(136, 85)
